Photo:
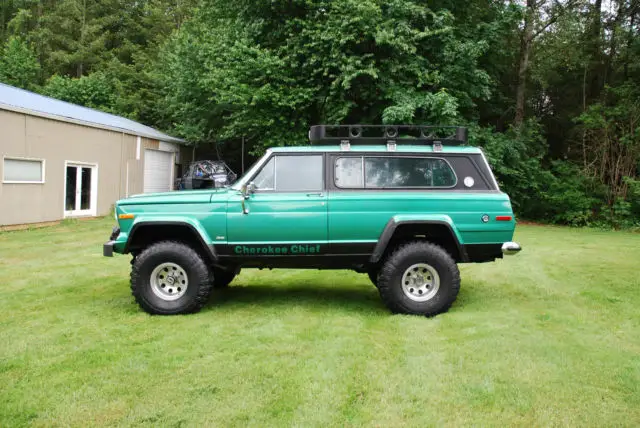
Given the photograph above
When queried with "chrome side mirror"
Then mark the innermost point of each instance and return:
(247, 190)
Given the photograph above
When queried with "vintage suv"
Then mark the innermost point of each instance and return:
(403, 204)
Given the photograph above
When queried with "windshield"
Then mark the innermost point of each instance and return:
(251, 171)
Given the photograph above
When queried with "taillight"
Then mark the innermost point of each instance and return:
(504, 218)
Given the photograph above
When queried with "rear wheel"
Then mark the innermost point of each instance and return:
(419, 278)
(170, 278)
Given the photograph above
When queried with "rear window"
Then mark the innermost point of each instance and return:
(372, 172)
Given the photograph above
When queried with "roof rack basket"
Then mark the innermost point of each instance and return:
(388, 134)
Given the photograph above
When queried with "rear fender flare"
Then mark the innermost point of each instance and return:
(394, 222)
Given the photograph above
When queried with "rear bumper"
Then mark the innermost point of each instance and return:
(107, 248)
(511, 248)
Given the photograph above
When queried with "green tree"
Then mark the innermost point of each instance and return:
(19, 65)
(268, 70)
(96, 90)
(566, 73)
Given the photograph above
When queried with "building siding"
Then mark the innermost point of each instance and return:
(56, 142)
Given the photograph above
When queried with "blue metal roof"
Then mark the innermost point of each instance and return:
(19, 100)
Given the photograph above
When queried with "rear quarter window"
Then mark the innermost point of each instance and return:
(468, 168)
(449, 171)
(382, 172)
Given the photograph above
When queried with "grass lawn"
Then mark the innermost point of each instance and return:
(548, 337)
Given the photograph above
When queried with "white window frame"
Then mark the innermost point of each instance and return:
(93, 202)
(18, 158)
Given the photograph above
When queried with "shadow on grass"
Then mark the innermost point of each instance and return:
(364, 299)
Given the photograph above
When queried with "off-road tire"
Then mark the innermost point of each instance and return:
(222, 278)
(394, 267)
(199, 279)
(373, 275)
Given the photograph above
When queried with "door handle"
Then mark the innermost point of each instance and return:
(315, 194)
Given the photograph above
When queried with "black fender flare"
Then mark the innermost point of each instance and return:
(208, 248)
(391, 227)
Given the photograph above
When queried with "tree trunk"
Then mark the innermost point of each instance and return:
(595, 46)
(523, 63)
(629, 43)
(80, 68)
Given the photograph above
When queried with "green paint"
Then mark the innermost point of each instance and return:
(277, 220)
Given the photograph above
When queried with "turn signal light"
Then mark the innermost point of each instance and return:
(125, 216)
(503, 218)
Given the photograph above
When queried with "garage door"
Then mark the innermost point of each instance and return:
(157, 171)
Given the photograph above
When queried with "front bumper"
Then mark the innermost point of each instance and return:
(511, 248)
(107, 248)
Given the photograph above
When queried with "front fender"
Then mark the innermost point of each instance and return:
(126, 237)
(190, 221)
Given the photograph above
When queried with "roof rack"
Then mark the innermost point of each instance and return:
(391, 135)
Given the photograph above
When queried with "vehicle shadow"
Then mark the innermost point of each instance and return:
(364, 299)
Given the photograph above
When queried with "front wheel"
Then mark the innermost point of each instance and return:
(419, 278)
(222, 278)
(169, 278)
(373, 276)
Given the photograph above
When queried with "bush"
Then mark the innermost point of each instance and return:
(571, 198)
(516, 161)
(625, 212)
(557, 193)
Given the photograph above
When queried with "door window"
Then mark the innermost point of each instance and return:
(291, 174)
(72, 176)
(85, 189)
(265, 180)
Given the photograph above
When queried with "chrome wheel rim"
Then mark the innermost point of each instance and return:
(420, 282)
(169, 281)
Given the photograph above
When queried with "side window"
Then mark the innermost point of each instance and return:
(390, 172)
(407, 172)
(349, 172)
(291, 174)
(299, 173)
(265, 180)
(18, 170)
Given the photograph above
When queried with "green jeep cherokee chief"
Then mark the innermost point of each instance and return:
(403, 204)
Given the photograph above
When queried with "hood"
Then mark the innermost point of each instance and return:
(177, 197)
